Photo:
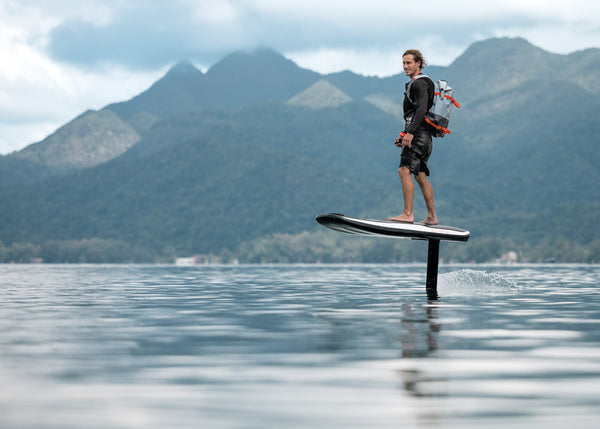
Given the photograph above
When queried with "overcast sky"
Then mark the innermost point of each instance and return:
(59, 58)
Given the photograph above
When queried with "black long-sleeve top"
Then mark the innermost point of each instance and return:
(421, 94)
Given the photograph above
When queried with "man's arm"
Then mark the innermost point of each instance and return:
(420, 96)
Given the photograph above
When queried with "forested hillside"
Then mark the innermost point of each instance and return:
(234, 164)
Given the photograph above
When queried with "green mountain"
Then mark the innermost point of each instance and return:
(90, 139)
(320, 95)
(241, 158)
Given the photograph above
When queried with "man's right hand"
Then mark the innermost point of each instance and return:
(398, 141)
(407, 139)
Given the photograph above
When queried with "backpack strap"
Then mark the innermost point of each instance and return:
(437, 127)
(412, 80)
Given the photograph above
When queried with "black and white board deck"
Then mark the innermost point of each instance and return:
(386, 228)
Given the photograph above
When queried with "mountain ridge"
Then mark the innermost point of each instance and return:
(184, 88)
(270, 166)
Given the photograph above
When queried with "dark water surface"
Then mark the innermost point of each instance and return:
(309, 346)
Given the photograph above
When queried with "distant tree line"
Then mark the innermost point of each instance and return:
(307, 247)
(332, 248)
(94, 250)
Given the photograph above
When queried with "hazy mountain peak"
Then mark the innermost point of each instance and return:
(502, 64)
(249, 55)
(320, 95)
(503, 51)
(260, 61)
(183, 69)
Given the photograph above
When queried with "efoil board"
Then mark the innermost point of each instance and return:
(386, 228)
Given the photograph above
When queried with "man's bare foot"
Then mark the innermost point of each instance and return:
(403, 218)
(430, 222)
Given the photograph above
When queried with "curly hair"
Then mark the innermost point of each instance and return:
(417, 55)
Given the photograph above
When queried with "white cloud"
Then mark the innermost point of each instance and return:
(367, 62)
(31, 109)
(37, 94)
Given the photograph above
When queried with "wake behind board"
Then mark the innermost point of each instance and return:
(386, 228)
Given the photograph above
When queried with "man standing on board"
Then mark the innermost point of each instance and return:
(416, 141)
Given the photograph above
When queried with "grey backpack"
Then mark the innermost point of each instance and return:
(438, 116)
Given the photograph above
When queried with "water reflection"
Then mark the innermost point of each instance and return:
(419, 330)
(419, 339)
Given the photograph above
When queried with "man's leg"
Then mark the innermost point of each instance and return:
(408, 191)
(427, 191)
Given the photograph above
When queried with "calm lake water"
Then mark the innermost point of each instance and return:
(309, 346)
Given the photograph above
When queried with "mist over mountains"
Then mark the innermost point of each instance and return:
(221, 161)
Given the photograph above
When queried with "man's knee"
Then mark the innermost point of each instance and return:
(404, 172)
(421, 178)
